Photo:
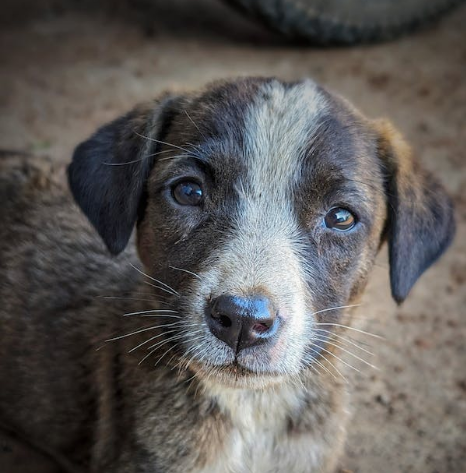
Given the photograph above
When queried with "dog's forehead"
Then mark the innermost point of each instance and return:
(278, 129)
(260, 112)
(275, 131)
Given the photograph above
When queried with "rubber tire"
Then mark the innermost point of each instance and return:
(344, 21)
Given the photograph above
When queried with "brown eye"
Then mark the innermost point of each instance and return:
(340, 219)
(187, 193)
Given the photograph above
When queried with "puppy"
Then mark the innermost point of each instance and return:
(259, 208)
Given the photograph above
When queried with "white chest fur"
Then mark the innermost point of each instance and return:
(259, 440)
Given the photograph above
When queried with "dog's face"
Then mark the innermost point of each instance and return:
(262, 205)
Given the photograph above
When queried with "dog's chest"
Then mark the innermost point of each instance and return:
(259, 438)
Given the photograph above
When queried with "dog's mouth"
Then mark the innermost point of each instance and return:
(236, 375)
(234, 368)
(237, 372)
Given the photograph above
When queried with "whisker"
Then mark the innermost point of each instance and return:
(336, 308)
(161, 316)
(125, 163)
(164, 151)
(190, 379)
(328, 361)
(183, 333)
(165, 143)
(149, 294)
(346, 351)
(347, 340)
(192, 121)
(351, 328)
(338, 358)
(136, 160)
(194, 348)
(150, 339)
(160, 359)
(186, 271)
(197, 350)
(314, 360)
(155, 280)
(133, 299)
(163, 342)
(311, 365)
(174, 337)
(153, 311)
(152, 327)
(175, 156)
(158, 287)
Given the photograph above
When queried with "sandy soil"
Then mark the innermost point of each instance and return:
(62, 74)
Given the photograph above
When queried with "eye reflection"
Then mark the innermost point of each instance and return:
(188, 193)
(340, 219)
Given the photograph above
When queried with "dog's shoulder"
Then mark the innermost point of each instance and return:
(43, 237)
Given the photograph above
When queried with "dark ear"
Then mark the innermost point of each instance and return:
(108, 172)
(420, 213)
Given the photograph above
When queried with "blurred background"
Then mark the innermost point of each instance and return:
(69, 66)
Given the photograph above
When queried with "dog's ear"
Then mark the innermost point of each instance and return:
(108, 172)
(420, 213)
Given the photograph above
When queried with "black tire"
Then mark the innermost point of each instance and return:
(344, 21)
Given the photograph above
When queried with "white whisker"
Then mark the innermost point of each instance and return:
(329, 362)
(315, 360)
(155, 347)
(150, 339)
(182, 333)
(336, 308)
(347, 340)
(158, 287)
(152, 327)
(338, 358)
(163, 142)
(346, 351)
(185, 271)
(153, 311)
(133, 299)
(350, 328)
(155, 280)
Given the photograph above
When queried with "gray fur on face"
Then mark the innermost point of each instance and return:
(154, 390)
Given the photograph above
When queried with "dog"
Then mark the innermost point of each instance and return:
(209, 339)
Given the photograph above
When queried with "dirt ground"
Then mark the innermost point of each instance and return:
(63, 73)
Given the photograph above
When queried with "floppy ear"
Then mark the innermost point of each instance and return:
(108, 172)
(420, 213)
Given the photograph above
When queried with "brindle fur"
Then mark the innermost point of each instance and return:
(273, 157)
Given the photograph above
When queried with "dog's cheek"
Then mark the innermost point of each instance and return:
(359, 282)
(367, 259)
(344, 267)
(157, 233)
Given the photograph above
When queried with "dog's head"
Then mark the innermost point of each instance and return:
(262, 204)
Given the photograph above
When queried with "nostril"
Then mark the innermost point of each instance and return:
(223, 320)
(261, 327)
(219, 314)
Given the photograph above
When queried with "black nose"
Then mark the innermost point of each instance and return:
(242, 322)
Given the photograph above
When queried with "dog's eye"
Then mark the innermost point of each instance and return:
(187, 193)
(340, 219)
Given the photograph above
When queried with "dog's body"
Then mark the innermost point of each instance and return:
(268, 160)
